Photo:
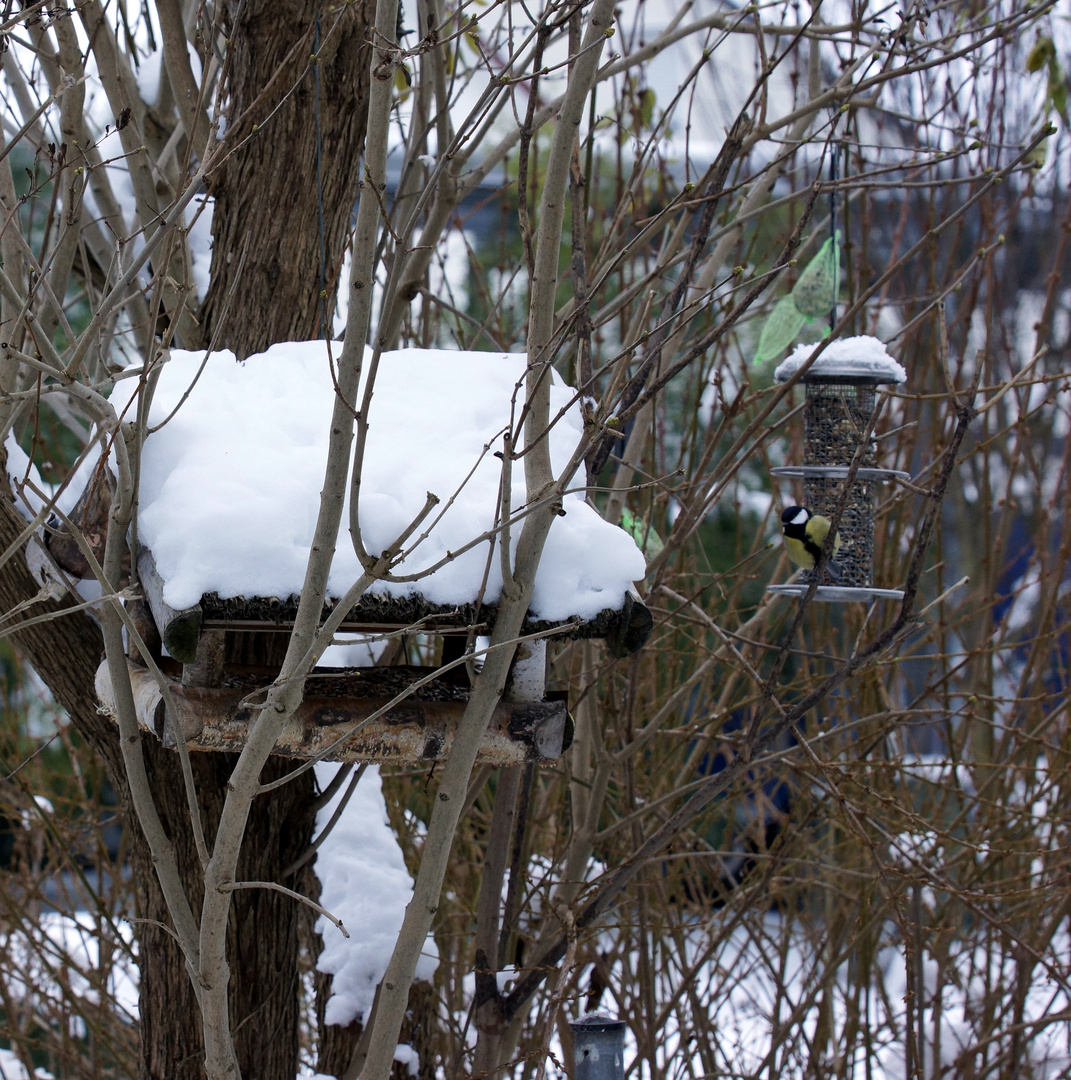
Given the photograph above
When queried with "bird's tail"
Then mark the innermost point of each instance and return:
(833, 572)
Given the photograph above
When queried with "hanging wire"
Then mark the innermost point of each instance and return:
(319, 176)
(834, 176)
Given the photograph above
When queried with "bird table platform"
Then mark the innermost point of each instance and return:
(230, 479)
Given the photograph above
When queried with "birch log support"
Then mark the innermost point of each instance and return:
(215, 718)
(528, 672)
(180, 631)
(207, 666)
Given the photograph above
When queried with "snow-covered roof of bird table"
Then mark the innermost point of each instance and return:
(233, 466)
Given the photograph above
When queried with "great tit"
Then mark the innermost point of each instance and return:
(805, 534)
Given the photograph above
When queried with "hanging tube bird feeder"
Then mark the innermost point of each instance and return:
(841, 389)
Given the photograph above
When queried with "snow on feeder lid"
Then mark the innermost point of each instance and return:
(861, 359)
(838, 424)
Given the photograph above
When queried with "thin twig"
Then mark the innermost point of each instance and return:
(234, 886)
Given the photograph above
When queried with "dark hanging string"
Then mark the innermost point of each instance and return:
(834, 171)
(319, 175)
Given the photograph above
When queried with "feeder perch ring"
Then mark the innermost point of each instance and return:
(837, 594)
(839, 472)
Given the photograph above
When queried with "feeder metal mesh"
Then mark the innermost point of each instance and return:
(836, 419)
(856, 555)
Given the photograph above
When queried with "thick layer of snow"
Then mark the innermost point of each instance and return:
(230, 485)
(366, 884)
(859, 356)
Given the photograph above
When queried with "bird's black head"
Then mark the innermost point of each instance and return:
(795, 515)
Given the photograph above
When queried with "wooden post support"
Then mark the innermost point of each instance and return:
(180, 631)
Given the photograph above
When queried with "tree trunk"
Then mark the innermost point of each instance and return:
(268, 265)
(266, 928)
(267, 274)
(270, 196)
(265, 287)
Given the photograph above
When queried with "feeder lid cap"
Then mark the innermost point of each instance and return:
(597, 1023)
(858, 358)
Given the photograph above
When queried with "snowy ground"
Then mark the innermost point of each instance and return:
(759, 979)
(739, 978)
